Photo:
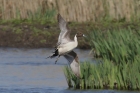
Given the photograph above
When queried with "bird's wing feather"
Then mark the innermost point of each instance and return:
(74, 63)
(64, 34)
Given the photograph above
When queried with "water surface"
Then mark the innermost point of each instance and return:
(27, 71)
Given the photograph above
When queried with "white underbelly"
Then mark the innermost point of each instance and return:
(63, 51)
(66, 49)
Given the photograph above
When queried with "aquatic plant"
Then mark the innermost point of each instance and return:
(116, 45)
(117, 55)
(105, 75)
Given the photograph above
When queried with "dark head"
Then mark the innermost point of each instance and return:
(79, 34)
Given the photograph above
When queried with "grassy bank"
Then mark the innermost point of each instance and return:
(37, 27)
(117, 55)
(106, 75)
(35, 33)
(38, 33)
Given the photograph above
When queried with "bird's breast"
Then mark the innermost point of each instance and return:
(66, 48)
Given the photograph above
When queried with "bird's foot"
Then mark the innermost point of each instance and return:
(55, 61)
(48, 57)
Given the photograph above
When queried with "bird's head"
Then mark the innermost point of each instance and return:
(79, 34)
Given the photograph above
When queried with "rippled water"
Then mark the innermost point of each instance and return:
(27, 71)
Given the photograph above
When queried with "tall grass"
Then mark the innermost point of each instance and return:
(106, 75)
(47, 16)
(25, 10)
(33, 18)
(117, 54)
(76, 10)
(121, 45)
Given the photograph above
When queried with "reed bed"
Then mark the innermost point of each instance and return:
(117, 46)
(26, 10)
(117, 55)
(106, 75)
(73, 10)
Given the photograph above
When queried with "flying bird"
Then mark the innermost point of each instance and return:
(65, 46)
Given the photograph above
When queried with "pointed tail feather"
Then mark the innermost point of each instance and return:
(54, 54)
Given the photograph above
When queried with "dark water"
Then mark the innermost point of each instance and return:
(27, 71)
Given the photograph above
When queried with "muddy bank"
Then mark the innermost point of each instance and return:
(36, 35)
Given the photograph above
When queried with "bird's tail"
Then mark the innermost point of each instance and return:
(55, 53)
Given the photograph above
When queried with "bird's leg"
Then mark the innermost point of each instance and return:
(57, 59)
(48, 57)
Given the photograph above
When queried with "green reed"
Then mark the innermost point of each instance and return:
(105, 75)
(116, 45)
(117, 55)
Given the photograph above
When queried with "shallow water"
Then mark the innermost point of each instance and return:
(27, 71)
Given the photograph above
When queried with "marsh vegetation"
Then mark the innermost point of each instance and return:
(117, 55)
(77, 10)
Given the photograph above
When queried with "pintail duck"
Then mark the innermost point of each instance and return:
(65, 46)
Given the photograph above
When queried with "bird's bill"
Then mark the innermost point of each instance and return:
(84, 35)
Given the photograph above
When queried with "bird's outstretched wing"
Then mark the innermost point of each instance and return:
(74, 63)
(65, 32)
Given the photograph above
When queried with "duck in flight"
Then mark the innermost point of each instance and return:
(65, 46)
